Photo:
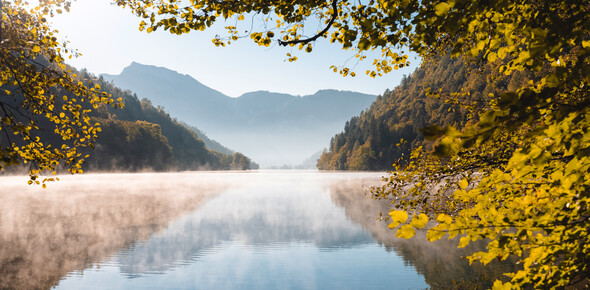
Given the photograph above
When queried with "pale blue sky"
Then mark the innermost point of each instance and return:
(109, 40)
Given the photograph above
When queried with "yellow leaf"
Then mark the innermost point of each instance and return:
(444, 218)
(399, 216)
(419, 221)
(442, 8)
(463, 184)
(36, 49)
(492, 56)
(463, 242)
(434, 234)
(406, 232)
(393, 225)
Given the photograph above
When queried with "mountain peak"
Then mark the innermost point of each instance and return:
(159, 84)
(136, 67)
(332, 91)
(273, 128)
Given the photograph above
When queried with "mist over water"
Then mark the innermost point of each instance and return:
(204, 230)
(83, 219)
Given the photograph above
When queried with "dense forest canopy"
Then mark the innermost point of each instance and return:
(142, 137)
(391, 128)
(515, 173)
(54, 116)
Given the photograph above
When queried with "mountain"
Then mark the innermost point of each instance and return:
(308, 164)
(141, 137)
(137, 137)
(272, 128)
(156, 84)
(210, 143)
(373, 140)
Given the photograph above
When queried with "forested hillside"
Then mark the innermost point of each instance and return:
(391, 127)
(292, 128)
(142, 137)
(136, 137)
(210, 143)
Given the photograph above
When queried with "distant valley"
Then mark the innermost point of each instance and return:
(271, 128)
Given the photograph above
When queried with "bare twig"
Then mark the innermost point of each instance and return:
(321, 33)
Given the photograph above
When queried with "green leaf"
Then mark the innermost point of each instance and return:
(432, 132)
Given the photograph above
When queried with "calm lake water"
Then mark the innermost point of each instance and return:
(216, 230)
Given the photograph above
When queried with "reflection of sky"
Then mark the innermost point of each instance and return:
(257, 215)
(280, 234)
(234, 265)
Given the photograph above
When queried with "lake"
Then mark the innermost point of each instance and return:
(217, 230)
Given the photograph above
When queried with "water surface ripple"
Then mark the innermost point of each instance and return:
(213, 230)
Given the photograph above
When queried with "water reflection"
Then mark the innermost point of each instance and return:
(272, 230)
(263, 214)
(440, 262)
(241, 230)
(45, 234)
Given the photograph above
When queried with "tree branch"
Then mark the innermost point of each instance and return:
(320, 34)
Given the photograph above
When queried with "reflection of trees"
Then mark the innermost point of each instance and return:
(256, 215)
(46, 234)
(440, 262)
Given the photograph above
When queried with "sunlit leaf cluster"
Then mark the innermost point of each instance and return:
(40, 95)
(518, 175)
(382, 26)
(517, 172)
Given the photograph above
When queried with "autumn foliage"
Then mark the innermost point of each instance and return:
(517, 172)
(39, 94)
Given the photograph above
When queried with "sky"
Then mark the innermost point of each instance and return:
(108, 38)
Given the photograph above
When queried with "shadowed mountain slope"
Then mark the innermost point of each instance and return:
(272, 128)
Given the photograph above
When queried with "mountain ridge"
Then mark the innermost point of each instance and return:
(289, 127)
(391, 128)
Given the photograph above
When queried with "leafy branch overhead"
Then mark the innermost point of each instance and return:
(39, 94)
(354, 27)
(516, 172)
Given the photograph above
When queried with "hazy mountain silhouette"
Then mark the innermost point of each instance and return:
(272, 128)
